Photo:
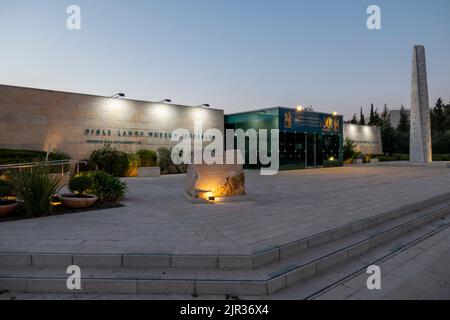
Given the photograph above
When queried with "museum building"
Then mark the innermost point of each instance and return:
(307, 139)
(77, 124)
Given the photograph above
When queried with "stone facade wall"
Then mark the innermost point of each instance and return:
(77, 124)
(366, 138)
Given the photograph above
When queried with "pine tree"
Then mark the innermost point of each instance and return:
(354, 119)
(385, 117)
(387, 131)
(437, 116)
(372, 116)
(403, 124)
(362, 120)
(376, 119)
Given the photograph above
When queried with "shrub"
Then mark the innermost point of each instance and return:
(58, 155)
(165, 161)
(11, 156)
(80, 184)
(35, 187)
(133, 165)
(166, 164)
(349, 149)
(441, 157)
(386, 159)
(148, 158)
(107, 187)
(111, 160)
(6, 188)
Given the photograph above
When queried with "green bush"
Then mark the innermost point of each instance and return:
(166, 164)
(107, 187)
(147, 158)
(12, 156)
(349, 149)
(80, 184)
(35, 187)
(386, 159)
(6, 188)
(111, 160)
(441, 157)
(401, 156)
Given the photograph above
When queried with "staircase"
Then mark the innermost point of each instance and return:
(263, 273)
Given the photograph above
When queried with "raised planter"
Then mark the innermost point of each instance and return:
(357, 161)
(147, 172)
(74, 201)
(374, 160)
(8, 207)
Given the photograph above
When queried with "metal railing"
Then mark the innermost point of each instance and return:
(55, 163)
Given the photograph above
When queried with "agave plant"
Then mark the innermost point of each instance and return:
(36, 187)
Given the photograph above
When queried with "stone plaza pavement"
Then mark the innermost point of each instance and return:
(282, 208)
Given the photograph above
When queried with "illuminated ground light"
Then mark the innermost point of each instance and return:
(208, 196)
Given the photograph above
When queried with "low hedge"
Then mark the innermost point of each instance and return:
(405, 157)
(12, 156)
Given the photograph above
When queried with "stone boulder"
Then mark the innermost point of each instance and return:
(217, 180)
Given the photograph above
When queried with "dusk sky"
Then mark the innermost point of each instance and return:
(236, 55)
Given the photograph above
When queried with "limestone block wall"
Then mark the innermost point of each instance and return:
(366, 138)
(77, 124)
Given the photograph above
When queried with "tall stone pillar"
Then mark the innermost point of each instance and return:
(420, 135)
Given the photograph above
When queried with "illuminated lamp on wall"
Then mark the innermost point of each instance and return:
(118, 95)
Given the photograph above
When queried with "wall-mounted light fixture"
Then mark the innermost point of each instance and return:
(118, 95)
(165, 101)
(205, 105)
(299, 108)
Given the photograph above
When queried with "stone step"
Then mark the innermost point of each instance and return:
(261, 281)
(258, 259)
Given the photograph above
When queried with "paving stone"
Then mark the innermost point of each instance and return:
(195, 261)
(146, 261)
(231, 287)
(11, 259)
(235, 262)
(110, 286)
(51, 260)
(92, 260)
(165, 287)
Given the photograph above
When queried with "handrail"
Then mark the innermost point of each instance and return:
(47, 163)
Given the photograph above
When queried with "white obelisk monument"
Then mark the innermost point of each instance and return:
(420, 135)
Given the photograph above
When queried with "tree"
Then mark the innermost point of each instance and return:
(387, 131)
(372, 116)
(403, 124)
(376, 119)
(349, 149)
(438, 117)
(362, 120)
(354, 119)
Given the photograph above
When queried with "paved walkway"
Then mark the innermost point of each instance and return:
(283, 208)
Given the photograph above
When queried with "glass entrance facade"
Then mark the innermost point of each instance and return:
(307, 139)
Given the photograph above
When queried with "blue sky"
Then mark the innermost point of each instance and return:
(233, 54)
